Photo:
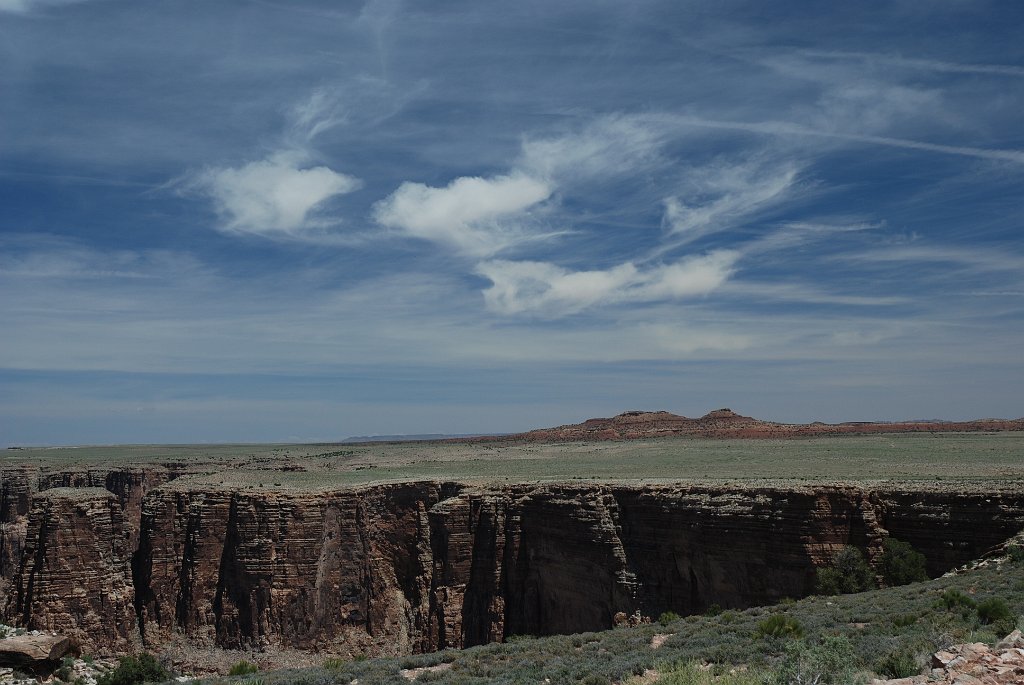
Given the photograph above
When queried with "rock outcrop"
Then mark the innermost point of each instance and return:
(725, 423)
(33, 651)
(973, 664)
(74, 575)
(413, 567)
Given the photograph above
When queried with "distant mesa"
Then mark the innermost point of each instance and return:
(725, 423)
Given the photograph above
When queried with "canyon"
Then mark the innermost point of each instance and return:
(143, 556)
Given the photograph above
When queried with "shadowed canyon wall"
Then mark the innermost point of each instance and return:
(412, 567)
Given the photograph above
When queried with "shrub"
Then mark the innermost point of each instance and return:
(713, 610)
(692, 674)
(66, 670)
(954, 598)
(904, 620)
(132, 670)
(1015, 550)
(334, 663)
(848, 573)
(668, 617)
(595, 679)
(780, 626)
(244, 668)
(901, 563)
(898, 664)
(829, 661)
(992, 610)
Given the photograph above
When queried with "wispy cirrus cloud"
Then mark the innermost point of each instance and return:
(891, 59)
(785, 128)
(550, 290)
(716, 196)
(972, 257)
(26, 6)
(606, 145)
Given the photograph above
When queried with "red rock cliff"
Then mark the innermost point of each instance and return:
(399, 568)
(74, 574)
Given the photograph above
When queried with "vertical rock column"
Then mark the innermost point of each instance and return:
(74, 575)
(16, 487)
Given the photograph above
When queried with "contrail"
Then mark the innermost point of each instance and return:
(785, 128)
(928, 64)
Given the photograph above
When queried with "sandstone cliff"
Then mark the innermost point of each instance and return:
(74, 574)
(411, 567)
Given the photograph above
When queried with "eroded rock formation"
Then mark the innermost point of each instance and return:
(725, 423)
(411, 567)
(74, 576)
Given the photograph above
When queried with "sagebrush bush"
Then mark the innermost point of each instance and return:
(849, 572)
(993, 610)
(595, 679)
(901, 564)
(133, 670)
(691, 673)
(899, 664)
(1016, 553)
(780, 626)
(828, 662)
(953, 599)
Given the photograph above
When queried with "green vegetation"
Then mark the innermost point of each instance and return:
(849, 572)
(994, 610)
(997, 459)
(244, 668)
(902, 663)
(846, 639)
(133, 670)
(779, 625)
(334, 663)
(64, 672)
(828, 660)
(1016, 553)
(954, 599)
(901, 563)
(668, 617)
(692, 673)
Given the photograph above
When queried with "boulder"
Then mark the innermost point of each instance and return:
(31, 650)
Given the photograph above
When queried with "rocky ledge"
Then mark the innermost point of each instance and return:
(973, 664)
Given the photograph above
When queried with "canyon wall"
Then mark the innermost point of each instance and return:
(412, 567)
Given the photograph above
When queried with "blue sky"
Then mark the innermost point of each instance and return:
(279, 221)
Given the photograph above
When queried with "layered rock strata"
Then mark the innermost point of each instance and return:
(74, 575)
(412, 567)
(725, 423)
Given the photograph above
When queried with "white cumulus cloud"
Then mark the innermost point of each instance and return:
(276, 196)
(541, 287)
(477, 216)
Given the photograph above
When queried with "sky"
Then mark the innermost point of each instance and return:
(300, 221)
